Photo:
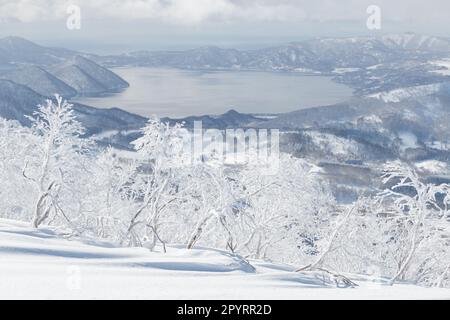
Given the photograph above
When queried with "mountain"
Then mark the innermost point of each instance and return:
(230, 119)
(30, 73)
(16, 50)
(417, 43)
(87, 77)
(199, 58)
(18, 101)
(322, 55)
(401, 112)
(325, 55)
(40, 81)
(368, 129)
(366, 64)
(350, 141)
(49, 70)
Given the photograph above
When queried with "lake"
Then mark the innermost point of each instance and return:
(179, 93)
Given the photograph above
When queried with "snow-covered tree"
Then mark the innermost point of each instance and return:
(15, 146)
(401, 233)
(51, 174)
(213, 197)
(105, 200)
(418, 213)
(161, 151)
(54, 160)
(287, 213)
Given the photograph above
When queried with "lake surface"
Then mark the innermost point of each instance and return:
(180, 93)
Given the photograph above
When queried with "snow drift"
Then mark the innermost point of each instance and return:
(43, 264)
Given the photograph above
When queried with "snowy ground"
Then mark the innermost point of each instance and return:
(40, 264)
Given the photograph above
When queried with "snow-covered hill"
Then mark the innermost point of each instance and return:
(16, 50)
(18, 101)
(322, 54)
(87, 77)
(54, 70)
(41, 81)
(416, 42)
(43, 264)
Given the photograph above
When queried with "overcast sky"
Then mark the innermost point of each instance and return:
(118, 25)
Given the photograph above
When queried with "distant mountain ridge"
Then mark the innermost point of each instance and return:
(323, 54)
(55, 70)
(16, 50)
(367, 64)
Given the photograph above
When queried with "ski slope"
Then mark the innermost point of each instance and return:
(43, 264)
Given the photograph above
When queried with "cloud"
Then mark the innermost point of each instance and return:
(193, 12)
(172, 11)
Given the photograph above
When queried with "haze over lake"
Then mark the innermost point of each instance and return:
(179, 93)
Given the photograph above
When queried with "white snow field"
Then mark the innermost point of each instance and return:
(42, 264)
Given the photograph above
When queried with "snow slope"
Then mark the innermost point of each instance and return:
(444, 66)
(42, 264)
(398, 95)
